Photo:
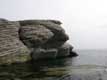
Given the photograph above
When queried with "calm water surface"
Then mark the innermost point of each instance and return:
(89, 65)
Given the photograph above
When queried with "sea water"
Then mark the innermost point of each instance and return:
(89, 65)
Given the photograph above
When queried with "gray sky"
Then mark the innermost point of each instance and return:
(84, 20)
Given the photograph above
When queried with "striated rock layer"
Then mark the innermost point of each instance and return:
(22, 41)
(11, 48)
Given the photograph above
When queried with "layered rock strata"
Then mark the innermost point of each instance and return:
(22, 41)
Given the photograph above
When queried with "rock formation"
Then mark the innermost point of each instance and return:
(11, 48)
(22, 41)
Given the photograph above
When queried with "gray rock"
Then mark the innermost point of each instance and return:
(73, 54)
(35, 35)
(12, 50)
(59, 38)
(64, 50)
(30, 22)
(3, 21)
(42, 38)
(40, 53)
(9, 28)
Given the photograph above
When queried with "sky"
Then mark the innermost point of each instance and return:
(85, 21)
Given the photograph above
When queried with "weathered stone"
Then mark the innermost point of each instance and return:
(44, 38)
(40, 53)
(64, 50)
(35, 22)
(73, 54)
(3, 21)
(9, 28)
(35, 35)
(55, 42)
(11, 48)
(59, 38)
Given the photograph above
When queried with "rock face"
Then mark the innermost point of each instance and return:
(65, 48)
(35, 35)
(11, 48)
(59, 36)
(37, 39)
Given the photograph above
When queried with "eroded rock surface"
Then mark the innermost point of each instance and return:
(35, 35)
(11, 48)
(22, 40)
(40, 53)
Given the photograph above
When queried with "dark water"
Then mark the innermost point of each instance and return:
(89, 65)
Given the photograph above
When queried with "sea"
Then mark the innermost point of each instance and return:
(89, 65)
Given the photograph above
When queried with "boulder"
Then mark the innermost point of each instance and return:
(73, 54)
(34, 36)
(12, 50)
(64, 50)
(56, 41)
(46, 34)
(59, 38)
(40, 53)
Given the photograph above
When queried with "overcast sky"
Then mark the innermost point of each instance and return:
(84, 20)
